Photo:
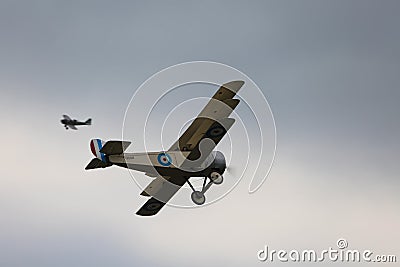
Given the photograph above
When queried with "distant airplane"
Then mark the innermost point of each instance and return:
(70, 123)
(192, 155)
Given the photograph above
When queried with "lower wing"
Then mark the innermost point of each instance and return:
(161, 190)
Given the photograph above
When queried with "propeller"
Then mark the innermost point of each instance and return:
(231, 170)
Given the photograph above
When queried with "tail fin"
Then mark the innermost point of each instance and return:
(95, 146)
(88, 122)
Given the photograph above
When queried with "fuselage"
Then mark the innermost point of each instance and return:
(170, 163)
(72, 122)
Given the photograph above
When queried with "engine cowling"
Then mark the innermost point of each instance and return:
(219, 163)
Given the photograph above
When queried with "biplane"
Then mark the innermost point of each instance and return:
(71, 123)
(192, 155)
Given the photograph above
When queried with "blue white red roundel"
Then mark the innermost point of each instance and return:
(164, 159)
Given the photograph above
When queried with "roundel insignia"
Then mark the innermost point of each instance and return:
(216, 131)
(164, 159)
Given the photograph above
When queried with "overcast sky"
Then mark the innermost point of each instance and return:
(330, 72)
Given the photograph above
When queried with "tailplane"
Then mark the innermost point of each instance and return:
(95, 163)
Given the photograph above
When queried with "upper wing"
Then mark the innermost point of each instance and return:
(213, 121)
(67, 117)
(162, 189)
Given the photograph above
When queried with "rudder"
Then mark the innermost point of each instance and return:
(95, 146)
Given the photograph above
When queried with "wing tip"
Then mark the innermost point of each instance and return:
(144, 214)
(234, 85)
(151, 207)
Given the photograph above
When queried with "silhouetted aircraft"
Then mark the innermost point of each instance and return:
(70, 123)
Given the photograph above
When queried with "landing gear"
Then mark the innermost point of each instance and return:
(198, 197)
(216, 178)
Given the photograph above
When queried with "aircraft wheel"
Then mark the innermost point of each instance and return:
(216, 178)
(198, 197)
